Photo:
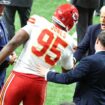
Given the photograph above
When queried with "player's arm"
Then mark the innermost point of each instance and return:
(20, 37)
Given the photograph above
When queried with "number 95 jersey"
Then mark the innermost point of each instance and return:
(47, 45)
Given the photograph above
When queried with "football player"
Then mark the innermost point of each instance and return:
(47, 44)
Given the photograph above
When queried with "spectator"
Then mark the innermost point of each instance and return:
(47, 44)
(89, 75)
(86, 9)
(3, 42)
(87, 44)
(23, 7)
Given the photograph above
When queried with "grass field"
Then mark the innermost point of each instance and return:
(56, 93)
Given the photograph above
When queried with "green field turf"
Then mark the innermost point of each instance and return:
(56, 93)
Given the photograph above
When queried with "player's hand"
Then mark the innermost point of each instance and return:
(13, 58)
(74, 63)
(42, 70)
(74, 48)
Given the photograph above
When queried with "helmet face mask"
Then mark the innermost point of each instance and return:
(66, 15)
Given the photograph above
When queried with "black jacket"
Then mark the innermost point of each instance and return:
(86, 3)
(21, 3)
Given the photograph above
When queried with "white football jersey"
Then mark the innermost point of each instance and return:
(47, 45)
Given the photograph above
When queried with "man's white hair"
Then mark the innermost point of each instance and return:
(102, 9)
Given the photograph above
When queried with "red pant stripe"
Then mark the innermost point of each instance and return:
(7, 83)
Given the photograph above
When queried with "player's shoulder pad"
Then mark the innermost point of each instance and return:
(68, 37)
(71, 40)
(36, 20)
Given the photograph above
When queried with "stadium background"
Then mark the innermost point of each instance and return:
(56, 93)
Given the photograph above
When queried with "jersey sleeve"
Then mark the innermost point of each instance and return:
(72, 41)
(66, 60)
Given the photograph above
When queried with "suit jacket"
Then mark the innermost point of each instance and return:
(3, 42)
(90, 77)
(21, 3)
(86, 3)
(88, 43)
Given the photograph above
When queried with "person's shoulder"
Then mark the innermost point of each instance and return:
(96, 58)
(94, 26)
(34, 18)
(37, 20)
(88, 60)
(92, 58)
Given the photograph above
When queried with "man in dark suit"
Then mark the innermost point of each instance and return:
(3, 41)
(88, 42)
(23, 7)
(86, 9)
(89, 75)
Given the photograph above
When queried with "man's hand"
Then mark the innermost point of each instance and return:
(42, 70)
(13, 58)
(74, 48)
(74, 62)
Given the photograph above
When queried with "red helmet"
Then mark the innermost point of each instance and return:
(66, 15)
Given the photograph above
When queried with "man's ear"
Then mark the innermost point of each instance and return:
(97, 40)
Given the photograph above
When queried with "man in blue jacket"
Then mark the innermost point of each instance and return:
(89, 75)
(87, 44)
(3, 42)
